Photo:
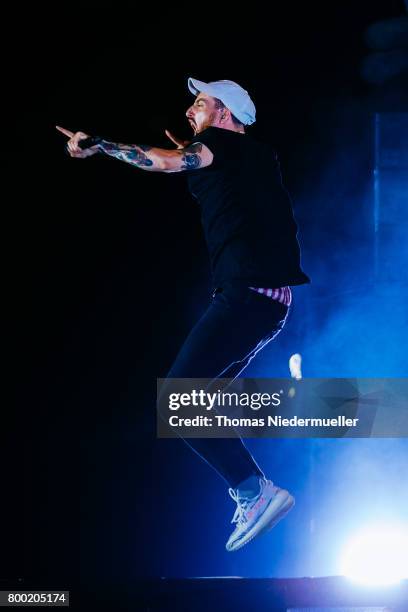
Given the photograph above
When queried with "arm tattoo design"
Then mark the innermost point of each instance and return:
(191, 158)
(137, 155)
(133, 154)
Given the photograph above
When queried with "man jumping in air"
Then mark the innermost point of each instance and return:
(251, 236)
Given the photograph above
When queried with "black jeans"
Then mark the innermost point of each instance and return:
(238, 323)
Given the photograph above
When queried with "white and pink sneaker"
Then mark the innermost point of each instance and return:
(259, 514)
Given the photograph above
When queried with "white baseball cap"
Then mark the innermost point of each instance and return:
(231, 94)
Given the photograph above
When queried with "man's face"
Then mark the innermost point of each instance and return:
(202, 113)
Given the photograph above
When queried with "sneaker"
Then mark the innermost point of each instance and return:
(259, 514)
(295, 366)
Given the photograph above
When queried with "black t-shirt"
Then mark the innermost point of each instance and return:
(246, 212)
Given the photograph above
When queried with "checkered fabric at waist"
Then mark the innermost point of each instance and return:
(281, 294)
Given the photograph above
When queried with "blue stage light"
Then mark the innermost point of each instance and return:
(377, 556)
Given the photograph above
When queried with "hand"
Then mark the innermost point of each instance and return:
(181, 144)
(72, 144)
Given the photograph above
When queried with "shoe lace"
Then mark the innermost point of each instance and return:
(242, 506)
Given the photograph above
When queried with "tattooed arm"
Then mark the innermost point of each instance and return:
(187, 157)
(191, 157)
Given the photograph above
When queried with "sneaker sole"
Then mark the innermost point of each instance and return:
(278, 508)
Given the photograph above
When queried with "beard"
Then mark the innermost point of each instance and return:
(210, 121)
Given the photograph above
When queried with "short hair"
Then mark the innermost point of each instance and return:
(219, 105)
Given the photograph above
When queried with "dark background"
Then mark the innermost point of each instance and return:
(105, 268)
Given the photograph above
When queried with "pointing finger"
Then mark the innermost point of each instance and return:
(177, 141)
(64, 131)
(168, 134)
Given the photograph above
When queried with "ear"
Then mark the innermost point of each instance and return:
(225, 114)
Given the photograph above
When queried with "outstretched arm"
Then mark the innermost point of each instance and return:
(185, 157)
(191, 157)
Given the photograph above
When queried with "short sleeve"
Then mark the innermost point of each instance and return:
(215, 142)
